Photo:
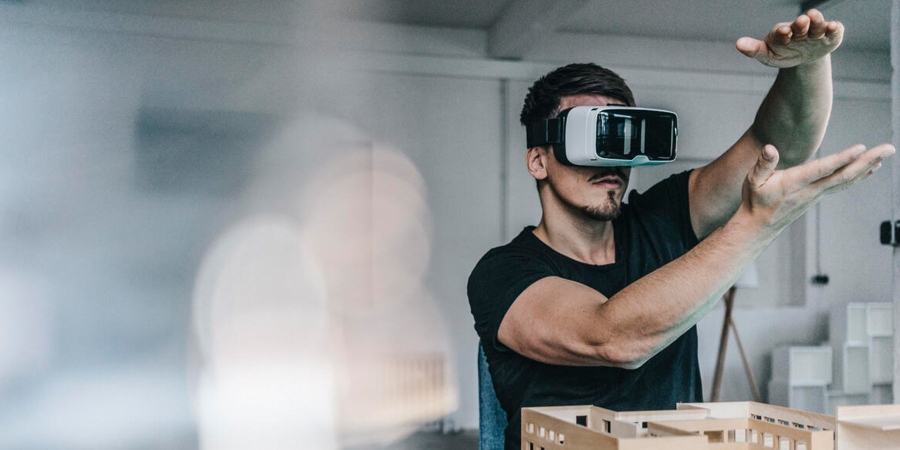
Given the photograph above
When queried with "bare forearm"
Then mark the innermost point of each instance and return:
(795, 113)
(651, 313)
(793, 117)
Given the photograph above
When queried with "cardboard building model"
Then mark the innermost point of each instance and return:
(698, 426)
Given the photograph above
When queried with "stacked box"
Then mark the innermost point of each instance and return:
(800, 377)
(869, 352)
(866, 355)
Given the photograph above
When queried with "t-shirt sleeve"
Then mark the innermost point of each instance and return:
(668, 200)
(496, 282)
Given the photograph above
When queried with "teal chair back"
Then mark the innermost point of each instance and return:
(491, 417)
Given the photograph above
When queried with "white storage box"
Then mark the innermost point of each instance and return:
(802, 365)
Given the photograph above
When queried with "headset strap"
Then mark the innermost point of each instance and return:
(545, 131)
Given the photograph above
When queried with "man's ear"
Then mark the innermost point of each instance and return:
(536, 159)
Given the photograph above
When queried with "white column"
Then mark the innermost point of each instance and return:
(895, 177)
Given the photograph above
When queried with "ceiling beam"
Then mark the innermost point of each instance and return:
(525, 22)
(806, 5)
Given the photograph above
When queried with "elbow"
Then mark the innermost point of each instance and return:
(633, 363)
(793, 151)
(623, 355)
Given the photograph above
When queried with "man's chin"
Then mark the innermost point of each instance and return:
(602, 213)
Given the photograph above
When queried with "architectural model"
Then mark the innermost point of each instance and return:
(698, 426)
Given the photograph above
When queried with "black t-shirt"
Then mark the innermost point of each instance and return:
(653, 229)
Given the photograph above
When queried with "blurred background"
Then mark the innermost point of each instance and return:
(234, 224)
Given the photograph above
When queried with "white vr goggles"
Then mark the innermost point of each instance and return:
(608, 136)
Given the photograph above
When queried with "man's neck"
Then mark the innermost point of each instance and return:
(587, 240)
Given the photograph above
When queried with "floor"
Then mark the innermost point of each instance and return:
(436, 440)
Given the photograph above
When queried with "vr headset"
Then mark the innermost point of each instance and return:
(613, 135)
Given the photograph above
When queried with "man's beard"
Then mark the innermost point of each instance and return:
(606, 212)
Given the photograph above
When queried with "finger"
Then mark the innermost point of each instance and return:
(753, 48)
(862, 175)
(764, 167)
(835, 31)
(846, 175)
(834, 184)
(820, 168)
(860, 169)
(781, 34)
(816, 24)
(800, 27)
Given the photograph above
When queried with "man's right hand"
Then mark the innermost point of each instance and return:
(778, 197)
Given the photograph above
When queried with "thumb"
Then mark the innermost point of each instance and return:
(753, 48)
(765, 166)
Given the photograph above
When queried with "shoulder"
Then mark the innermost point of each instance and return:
(498, 279)
(522, 252)
(673, 189)
(664, 210)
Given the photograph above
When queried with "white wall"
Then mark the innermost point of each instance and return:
(103, 241)
(858, 266)
(895, 177)
(98, 263)
(111, 262)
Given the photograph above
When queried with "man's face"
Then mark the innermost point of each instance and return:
(595, 192)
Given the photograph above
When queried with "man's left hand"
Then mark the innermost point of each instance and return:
(808, 38)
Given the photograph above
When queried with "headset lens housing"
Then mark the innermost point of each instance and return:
(628, 133)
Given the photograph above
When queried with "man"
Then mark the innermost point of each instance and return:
(598, 303)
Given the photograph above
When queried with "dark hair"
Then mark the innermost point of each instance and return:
(542, 101)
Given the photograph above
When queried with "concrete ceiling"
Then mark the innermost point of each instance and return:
(514, 25)
(868, 21)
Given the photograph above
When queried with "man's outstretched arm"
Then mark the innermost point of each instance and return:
(792, 117)
(558, 321)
